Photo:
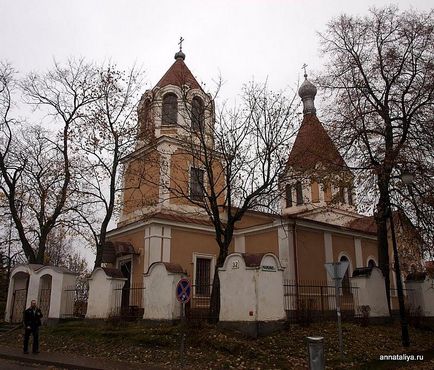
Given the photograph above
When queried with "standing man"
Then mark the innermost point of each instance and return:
(32, 322)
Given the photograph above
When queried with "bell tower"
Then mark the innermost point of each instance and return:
(161, 174)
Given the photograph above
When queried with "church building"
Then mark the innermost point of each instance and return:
(318, 220)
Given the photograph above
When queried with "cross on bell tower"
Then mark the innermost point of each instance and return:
(180, 43)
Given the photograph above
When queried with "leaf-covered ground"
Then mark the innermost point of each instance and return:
(208, 347)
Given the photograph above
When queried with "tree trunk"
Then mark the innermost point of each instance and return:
(382, 240)
(214, 308)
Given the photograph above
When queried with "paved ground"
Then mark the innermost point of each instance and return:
(17, 365)
(50, 360)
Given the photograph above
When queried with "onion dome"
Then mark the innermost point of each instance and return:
(180, 55)
(307, 92)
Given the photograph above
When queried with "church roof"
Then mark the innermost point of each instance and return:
(365, 224)
(312, 146)
(178, 75)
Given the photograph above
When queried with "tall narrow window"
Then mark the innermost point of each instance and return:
(197, 114)
(315, 191)
(288, 193)
(341, 195)
(196, 184)
(299, 192)
(170, 109)
(327, 193)
(350, 195)
(144, 118)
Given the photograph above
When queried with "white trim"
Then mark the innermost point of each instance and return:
(328, 247)
(248, 230)
(358, 252)
(211, 257)
(121, 261)
(166, 242)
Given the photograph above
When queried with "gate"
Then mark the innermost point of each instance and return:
(129, 302)
(18, 305)
(44, 302)
(198, 306)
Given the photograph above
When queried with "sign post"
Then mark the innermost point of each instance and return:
(336, 271)
(183, 294)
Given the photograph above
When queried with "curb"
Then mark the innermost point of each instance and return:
(35, 360)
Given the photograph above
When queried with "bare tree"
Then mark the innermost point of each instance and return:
(60, 251)
(37, 167)
(380, 77)
(107, 135)
(237, 156)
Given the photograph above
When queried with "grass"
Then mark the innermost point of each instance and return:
(209, 347)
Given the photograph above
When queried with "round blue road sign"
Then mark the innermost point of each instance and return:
(183, 290)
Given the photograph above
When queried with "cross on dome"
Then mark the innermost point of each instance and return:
(180, 54)
(304, 67)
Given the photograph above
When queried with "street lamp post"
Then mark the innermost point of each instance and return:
(407, 178)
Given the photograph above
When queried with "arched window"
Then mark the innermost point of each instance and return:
(314, 188)
(299, 192)
(341, 195)
(346, 280)
(350, 195)
(144, 118)
(371, 263)
(288, 191)
(170, 109)
(197, 114)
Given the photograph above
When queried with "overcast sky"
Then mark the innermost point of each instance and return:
(237, 39)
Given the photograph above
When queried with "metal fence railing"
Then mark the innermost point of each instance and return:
(76, 301)
(128, 301)
(199, 306)
(315, 300)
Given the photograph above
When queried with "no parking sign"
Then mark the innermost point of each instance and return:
(183, 290)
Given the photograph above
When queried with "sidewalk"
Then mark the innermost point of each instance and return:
(70, 361)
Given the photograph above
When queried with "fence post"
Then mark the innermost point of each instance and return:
(322, 301)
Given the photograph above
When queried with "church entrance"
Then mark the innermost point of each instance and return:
(125, 300)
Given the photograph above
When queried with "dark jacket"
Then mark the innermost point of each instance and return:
(32, 317)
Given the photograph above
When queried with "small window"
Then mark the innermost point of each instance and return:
(170, 109)
(341, 195)
(144, 118)
(327, 193)
(197, 114)
(196, 184)
(288, 192)
(299, 192)
(371, 263)
(350, 195)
